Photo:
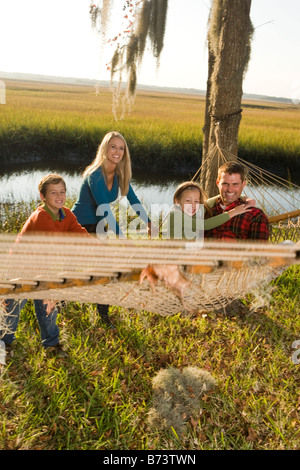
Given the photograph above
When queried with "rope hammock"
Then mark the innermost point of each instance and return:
(164, 277)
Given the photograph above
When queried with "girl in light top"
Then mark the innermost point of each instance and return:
(185, 218)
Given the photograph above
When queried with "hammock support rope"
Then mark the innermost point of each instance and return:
(282, 190)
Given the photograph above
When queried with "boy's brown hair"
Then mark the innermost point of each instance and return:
(53, 178)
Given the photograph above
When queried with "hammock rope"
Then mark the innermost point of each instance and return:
(267, 189)
(260, 177)
(87, 269)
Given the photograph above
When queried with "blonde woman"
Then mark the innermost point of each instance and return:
(102, 179)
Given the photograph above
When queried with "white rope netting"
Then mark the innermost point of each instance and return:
(183, 276)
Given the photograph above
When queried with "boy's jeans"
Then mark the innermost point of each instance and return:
(47, 322)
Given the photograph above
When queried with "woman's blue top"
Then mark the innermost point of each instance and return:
(93, 203)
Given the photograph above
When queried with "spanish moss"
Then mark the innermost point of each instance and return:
(158, 25)
(101, 13)
(149, 21)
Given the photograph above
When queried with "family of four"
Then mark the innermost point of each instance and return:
(227, 216)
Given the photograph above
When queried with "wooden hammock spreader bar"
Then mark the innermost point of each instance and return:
(125, 263)
(288, 215)
(17, 286)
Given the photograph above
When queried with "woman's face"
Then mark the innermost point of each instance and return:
(189, 201)
(115, 150)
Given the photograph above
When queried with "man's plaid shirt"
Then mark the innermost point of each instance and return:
(251, 225)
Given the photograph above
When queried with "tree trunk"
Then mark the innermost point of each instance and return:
(229, 36)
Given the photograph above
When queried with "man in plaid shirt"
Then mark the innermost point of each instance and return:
(253, 224)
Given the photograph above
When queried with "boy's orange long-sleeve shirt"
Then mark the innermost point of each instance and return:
(43, 220)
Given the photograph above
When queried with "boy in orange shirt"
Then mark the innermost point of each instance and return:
(52, 216)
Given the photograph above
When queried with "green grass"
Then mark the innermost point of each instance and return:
(98, 396)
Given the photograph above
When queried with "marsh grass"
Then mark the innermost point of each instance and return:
(163, 131)
(99, 396)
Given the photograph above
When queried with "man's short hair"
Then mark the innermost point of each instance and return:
(233, 167)
(53, 178)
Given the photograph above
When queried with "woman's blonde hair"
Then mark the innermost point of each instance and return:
(191, 185)
(123, 168)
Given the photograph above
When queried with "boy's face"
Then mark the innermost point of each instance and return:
(55, 197)
(189, 201)
(230, 187)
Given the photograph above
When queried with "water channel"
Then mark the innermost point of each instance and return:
(20, 183)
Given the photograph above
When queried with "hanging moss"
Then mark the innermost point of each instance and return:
(158, 25)
(101, 14)
(215, 26)
(149, 22)
(142, 28)
(132, 82)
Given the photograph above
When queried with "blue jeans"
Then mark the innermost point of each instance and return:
(47, 322)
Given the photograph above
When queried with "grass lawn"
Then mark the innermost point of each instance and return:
(99, 395)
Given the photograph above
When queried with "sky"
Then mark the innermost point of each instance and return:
(56, 38)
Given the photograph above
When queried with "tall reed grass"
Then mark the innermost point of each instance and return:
(163, 131)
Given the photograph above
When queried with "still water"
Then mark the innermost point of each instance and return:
(21, 184)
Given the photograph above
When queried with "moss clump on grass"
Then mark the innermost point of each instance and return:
(176, 396)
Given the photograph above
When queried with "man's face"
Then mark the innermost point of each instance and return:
(230, 187)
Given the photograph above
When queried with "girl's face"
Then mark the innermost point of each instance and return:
(55, 197)
(189, 201)
(115, 150)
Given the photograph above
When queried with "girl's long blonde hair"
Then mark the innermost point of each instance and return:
(123, 168)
